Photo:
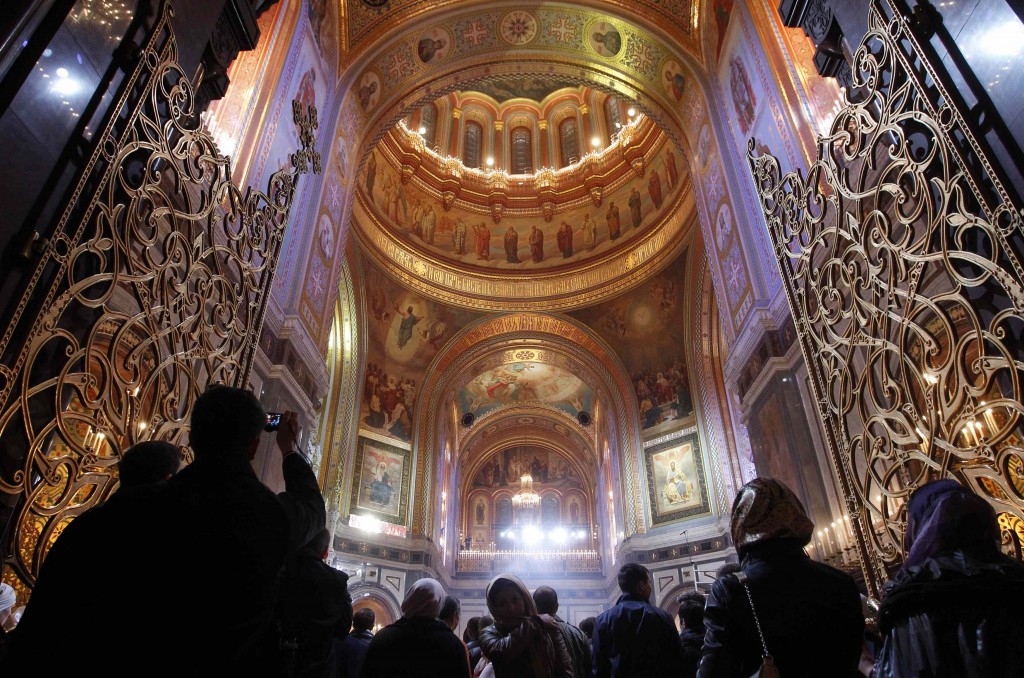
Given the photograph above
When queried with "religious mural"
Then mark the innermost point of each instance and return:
(535, 87)
(404, 332)
(549, 470)
(521, 382)
(645, 328)
(381, 484)
(675, 480)
(524, 243)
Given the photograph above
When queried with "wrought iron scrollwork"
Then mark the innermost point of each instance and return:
(155, 284)
(901, 252)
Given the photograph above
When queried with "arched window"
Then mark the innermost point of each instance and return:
(504, 512)
(570, 138)
(522, 153)
(550, 513)
(472, 143)
(612, 114)
(428, 122)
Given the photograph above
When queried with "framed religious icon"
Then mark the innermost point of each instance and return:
(381, 484)
(676, 481)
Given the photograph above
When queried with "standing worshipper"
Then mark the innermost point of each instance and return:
(150, 461)
(223, 538)
(522, 643)
(418, 645)
(954, 606)
(576, 642)
(635, 638)
(350, 652)
(691, 620)
(809, 612)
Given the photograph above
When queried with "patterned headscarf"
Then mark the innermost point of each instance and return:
(423, 599)
(764, 510)
(7, 597)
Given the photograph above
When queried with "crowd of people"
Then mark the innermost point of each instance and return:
(205, 571)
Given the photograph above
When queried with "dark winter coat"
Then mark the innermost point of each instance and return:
(953, 615)
(635, 638)
(578, 645)
(509, 651)
(416, 647)
(350, 652)
(692, 641)
(810, 614)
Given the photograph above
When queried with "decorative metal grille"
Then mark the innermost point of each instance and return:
(901, 253)
(153, 285)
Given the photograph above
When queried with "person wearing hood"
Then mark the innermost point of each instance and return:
(522, 643)
(809, 613)
(418, 645)
(953, 606)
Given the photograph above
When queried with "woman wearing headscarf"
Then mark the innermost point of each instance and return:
(418, 645)
(522, 643)
(809, 612)
(954, 606)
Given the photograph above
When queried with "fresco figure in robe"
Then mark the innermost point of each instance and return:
(612, 218)
(537, 244)
(409, 320)
(589, 233)
(511, 246)
(380, 486)
(459, 237)
(611, 40)
(654, 188)
(429, 224)
(634, 208)
(678, 488)
(565, 240)
(427, 48)
(371, 174)
(483, 241)
(671, 171)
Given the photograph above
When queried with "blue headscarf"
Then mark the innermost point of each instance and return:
(943, 516)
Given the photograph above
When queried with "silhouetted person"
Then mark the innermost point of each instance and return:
(418, 645)
(349, 653)
(576, 642)
(635, 638)
(212, 536)
(314, 608)
(953, 609)
(587, 626)
(809, 612)
(148, 462)
(691, 637)
(727, 569)
(451, 612)
(471, 637)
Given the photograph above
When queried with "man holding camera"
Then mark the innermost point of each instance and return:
(181, 577)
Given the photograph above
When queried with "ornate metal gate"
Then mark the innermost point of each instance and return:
(154, 284)
(901, 253)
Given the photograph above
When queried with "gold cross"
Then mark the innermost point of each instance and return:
(306, 123)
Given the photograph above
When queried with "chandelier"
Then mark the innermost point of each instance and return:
(526, 498)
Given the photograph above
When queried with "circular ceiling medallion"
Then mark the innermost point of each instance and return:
(604, 38)
(518, 27)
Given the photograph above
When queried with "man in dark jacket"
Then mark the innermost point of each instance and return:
(349, 653)
(313, 609)
(635, 638)
(212, 537)
(809, 612)
(691, 621)
(576, 641)
(955, 605)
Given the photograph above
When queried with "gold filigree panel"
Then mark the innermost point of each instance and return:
(153, 285)
(901, 252)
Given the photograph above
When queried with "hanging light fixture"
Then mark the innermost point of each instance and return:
(526, 497)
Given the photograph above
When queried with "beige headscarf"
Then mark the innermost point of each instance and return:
(505, 579)
(423, 599)
(765, 509)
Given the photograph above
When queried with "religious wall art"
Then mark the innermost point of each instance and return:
(673, 79)
(325, 237)
(518, 27)
(604, 38)
(722, 11)
(434, 45)
(723, 227)
(469, 237)
(525, 382)
(675, 480)
(535, 87)
(646, 329)
(381, 484)
(368, 91)
(549, 471)
(743, 99)
(404, 332)
(316, 12)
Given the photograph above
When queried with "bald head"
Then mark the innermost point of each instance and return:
(546, 600)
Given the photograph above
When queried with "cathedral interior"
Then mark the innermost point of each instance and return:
(546, 282)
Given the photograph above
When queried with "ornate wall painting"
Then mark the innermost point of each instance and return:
(675, 480)
(673, 79)
(722, 10)
(526, 382)
(434, 45)
(645, 329)
(604, 38)
(381, 483)
(526, 243)
(368, 92)
(518, 27)
(404, 332)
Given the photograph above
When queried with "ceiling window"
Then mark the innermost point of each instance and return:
(568, 133)
(472, 144)
(522, 151)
